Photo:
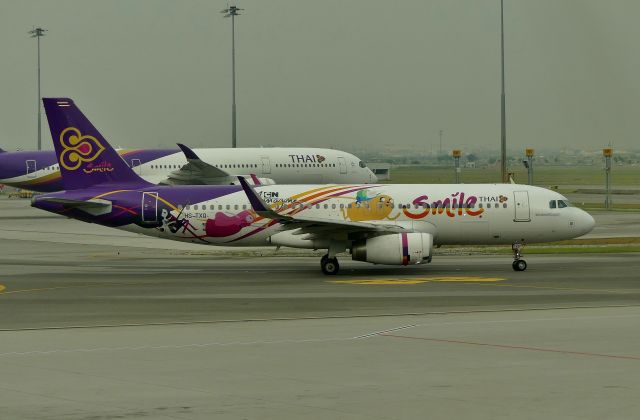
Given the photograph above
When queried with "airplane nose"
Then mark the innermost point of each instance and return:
(587, 222)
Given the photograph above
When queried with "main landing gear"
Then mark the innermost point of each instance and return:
(329, 266)
(518, 264)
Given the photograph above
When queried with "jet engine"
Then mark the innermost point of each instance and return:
(394, 249)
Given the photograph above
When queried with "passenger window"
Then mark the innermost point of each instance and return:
(188, 207)
(212, 207)
(552, 204)
(504, 205)
(219, 206)
(195, 207)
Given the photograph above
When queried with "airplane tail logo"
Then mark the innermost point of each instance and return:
(86, 158)
(78, 149)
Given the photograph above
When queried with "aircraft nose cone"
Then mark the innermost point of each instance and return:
(587, 222)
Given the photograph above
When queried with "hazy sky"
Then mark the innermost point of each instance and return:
(326, 73)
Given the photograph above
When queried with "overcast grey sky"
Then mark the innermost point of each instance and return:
(343, 73)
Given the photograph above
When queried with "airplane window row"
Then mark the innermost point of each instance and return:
(203, 207)
(341, 206)
(226, 166)
(166, 166)
(305, 165)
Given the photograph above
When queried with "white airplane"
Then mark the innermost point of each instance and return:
(380, 224)
(39, 170)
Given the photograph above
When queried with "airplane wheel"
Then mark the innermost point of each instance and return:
(329, 266)
(519, 265)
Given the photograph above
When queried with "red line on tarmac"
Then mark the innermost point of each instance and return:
(507, 346)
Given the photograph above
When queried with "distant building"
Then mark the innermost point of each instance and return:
(381, 169)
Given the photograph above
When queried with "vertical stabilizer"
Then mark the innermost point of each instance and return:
(85, 157)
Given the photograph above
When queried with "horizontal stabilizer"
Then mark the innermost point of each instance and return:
(95, 207)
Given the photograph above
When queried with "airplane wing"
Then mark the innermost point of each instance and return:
(95, 207)
(317, 226)
(196, 171)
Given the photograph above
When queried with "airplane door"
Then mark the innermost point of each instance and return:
(31, 168)
(149, 207)
(342, 163)
(521, 204)
(266, 165)
(136, 166)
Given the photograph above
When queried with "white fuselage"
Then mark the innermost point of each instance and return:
(453, 214)
(281, 164)
(39, 171)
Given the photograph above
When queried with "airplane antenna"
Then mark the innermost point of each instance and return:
(232, 12)
(38, 33)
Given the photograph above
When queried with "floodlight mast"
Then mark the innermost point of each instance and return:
(503, 124)
(38, 33)
(232, 12)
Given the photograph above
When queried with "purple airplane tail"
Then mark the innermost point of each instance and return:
(85, 157)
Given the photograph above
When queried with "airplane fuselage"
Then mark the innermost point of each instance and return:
(222, 215)
(39, 170)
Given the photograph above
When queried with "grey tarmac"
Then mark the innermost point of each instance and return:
(96, 324)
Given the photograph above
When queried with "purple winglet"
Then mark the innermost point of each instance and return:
(259, 206)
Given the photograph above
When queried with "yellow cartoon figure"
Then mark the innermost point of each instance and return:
(365, 208)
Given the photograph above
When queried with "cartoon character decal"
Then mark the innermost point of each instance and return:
(378, 207)
(223, 225)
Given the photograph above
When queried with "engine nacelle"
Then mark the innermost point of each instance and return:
(395, 249)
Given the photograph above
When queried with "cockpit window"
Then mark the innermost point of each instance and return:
(559, 204)
(362, 164)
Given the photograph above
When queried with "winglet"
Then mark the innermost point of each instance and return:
(188, 153)
(257, 203)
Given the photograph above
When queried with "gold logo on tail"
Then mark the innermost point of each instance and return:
(78, 149)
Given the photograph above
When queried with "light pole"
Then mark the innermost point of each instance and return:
(456, 163)
(503, 117)
(607, 153)
(528, 163)
(38, 33)
(232, 12)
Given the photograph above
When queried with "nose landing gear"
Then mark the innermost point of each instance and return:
(518, 263)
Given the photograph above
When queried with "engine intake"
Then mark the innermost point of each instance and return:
(394, 249)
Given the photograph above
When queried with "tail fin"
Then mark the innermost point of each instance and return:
(85, 157)
(2, 150)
